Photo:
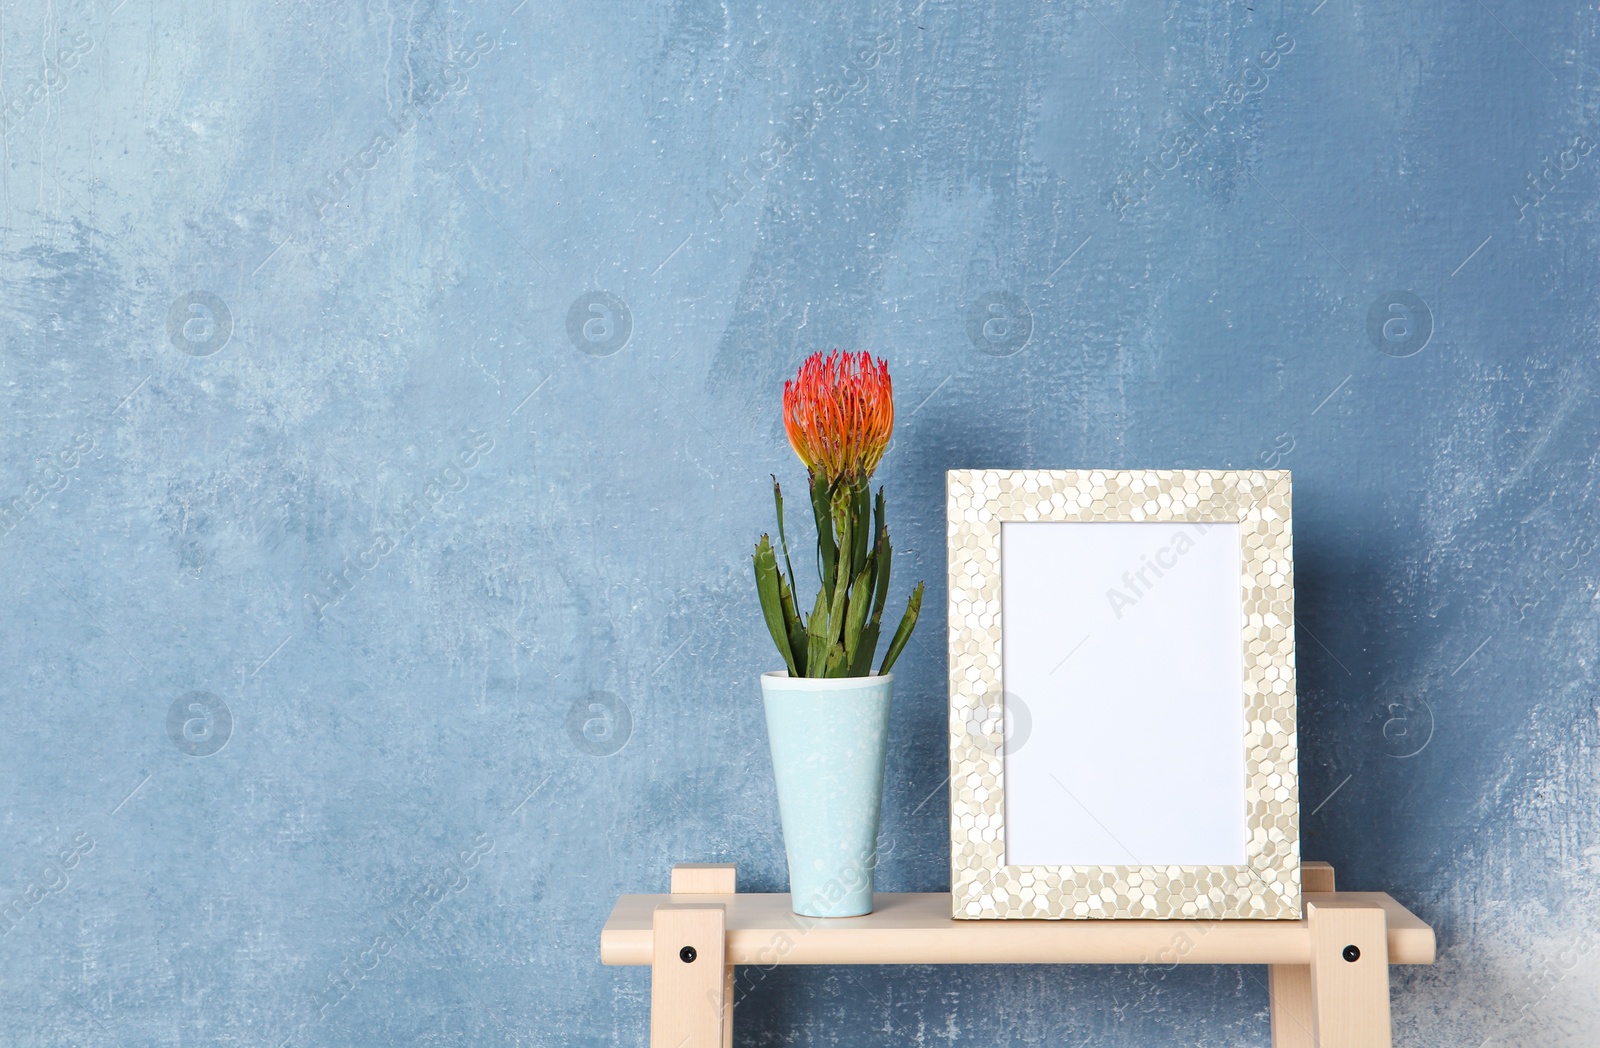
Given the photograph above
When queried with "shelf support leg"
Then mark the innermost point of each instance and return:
(1289, 991)
(686, 975)
(1289, 985)
(1349, 974)
(701, 879)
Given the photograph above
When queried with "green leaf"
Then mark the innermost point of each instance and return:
(841, 582)
(792, 624)
(767, 587)
(783, 539)
(862, 664)
(908, 622)
(861, 538)
(884, 552)
(836, 661)
(836, 608)
(856, 615)
(827, 551)
(818, 636)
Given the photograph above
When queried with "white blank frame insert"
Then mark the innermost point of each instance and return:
(1122, 708)
(1110, 627)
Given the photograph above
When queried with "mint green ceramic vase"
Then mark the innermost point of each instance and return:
(829, 737)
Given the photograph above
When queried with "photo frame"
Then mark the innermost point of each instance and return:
(1130, 636)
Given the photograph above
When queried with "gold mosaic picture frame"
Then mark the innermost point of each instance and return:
(1267, 886)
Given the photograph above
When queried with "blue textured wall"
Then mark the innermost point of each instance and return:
(389, 394)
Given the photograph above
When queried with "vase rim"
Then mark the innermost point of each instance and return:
(781, 680)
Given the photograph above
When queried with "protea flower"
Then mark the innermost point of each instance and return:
(838, 411)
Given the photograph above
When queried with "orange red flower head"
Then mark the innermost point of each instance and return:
(839, 411)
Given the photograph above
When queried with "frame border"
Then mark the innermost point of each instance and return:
(1267, 885)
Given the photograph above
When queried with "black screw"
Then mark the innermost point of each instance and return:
(1351, 953)
(687, 954)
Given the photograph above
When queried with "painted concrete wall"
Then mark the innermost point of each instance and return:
(389, 396)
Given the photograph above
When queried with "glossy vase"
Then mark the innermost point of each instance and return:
(829, 737)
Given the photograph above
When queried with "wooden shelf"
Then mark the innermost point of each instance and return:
(1328, 972)
(917, 929)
